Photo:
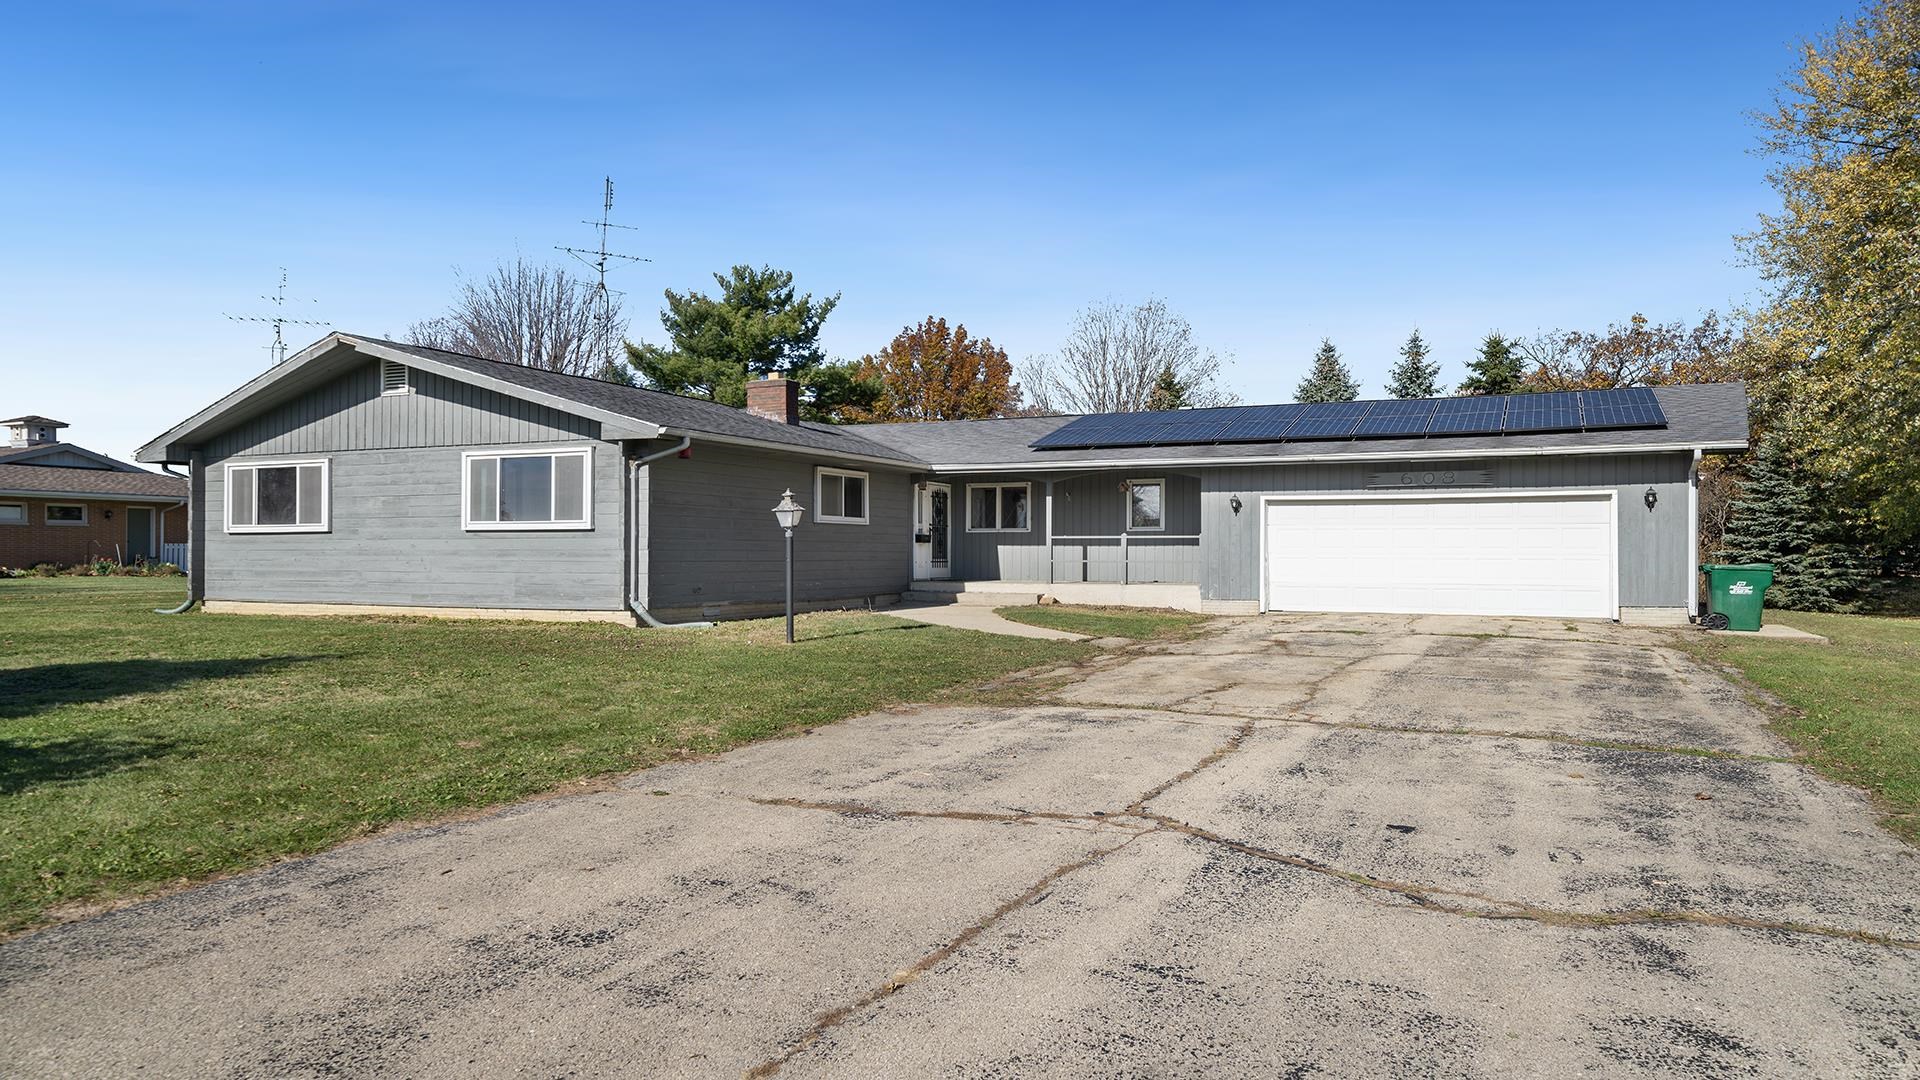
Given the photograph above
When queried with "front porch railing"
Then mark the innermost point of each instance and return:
(1127, 558)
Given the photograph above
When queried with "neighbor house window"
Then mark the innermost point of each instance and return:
(277, 496)
(66, 513)
(549, 489)
(1146, 505)
(839, 496)
(996, 508)
(13, 513)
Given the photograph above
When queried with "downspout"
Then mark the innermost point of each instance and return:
(633, 541)
(1693, 539)
(188, 503)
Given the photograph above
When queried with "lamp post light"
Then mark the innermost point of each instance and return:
(788, 515)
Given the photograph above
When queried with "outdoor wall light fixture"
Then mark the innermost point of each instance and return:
(109, 515)
(788, 515)
(1235, 503)
(1651, 498)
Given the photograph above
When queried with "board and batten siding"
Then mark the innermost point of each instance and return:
(395, 535)
(1084, 504)
(1654, 559)
(712, 541)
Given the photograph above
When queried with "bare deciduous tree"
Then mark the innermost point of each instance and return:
(1115, 356)
(539, 316)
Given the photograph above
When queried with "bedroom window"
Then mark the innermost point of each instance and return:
(277, 496)
(839, 496)
(13, 513)
(997, 508)
(550, 489)
(66, 513)
(1146, 505)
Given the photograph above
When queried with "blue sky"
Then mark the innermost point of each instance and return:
(1274, 172)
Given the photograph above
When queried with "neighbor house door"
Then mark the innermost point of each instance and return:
(932, 532)
(141, 542)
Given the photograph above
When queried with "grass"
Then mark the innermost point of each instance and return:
(139, 750)
(1856, 703)
(1141, 624)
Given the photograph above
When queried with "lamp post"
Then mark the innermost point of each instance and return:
(788, 515)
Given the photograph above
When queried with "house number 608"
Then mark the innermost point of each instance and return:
(1412, 479)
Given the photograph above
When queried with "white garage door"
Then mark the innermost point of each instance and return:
(1484, 555)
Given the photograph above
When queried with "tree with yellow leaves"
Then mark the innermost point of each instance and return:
(933, 372)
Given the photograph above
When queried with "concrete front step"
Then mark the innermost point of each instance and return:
(974, 599)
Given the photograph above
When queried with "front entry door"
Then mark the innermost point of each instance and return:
(932, 534)
(140, 533)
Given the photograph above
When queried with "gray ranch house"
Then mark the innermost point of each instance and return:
(369, 476)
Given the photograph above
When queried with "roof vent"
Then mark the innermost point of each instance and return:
(395, 378)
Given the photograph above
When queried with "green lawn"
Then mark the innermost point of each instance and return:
(139, 749)
(1137, 623)
(1857, 700)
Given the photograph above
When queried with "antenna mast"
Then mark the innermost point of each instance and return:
(279, 318)
(596, 259)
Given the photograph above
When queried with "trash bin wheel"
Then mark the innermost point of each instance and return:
(1714, 621)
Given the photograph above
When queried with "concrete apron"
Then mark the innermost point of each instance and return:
(1349, 846)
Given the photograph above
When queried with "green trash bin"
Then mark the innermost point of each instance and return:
(1735, 593)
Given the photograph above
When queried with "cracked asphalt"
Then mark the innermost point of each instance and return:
(1293, 846)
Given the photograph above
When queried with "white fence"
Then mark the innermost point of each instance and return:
(175, 554)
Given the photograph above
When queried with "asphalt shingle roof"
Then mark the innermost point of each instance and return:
(1711, 414)
(62, 480)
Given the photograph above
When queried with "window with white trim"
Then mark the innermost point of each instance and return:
(547, 489)
(1146, 506)
(997, 508)
(13, 513)
(395, 378)
(66, 513)
(277, 496)
(839, 496)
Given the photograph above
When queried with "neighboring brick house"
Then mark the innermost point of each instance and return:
(65, 504)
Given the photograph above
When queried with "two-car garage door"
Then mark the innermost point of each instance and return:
(1551, 555)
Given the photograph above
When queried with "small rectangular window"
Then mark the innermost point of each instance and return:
(13, 513)
(395, 378)
(839, 496)
(551, 489)
(997, 508)
(277, 496)
(1146, 505)
(66, 513)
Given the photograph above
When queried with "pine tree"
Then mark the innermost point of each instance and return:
(1776, 520)
(1414, 376)
(1329, 379)
(1168, 392)
(1496, 370)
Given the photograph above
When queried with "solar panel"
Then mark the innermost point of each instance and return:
(1389, 418)
(1633, 407)
(1555, 411)
(1468, 415)
(1266, 423)
(1329, 420)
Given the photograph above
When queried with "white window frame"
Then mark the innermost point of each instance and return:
(998, 502)
(406, 378)
(25, 519)
(820, 473)
(586, 494)
(1159, 482)
(326, 495)
(86, 515)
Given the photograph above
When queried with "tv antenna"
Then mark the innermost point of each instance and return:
(597, 260)
(279, 318)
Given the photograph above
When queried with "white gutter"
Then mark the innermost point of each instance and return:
(1693, 538)
(96, 496)
(633, 542)
(190, 568)
(1310, 459)
(794, 448)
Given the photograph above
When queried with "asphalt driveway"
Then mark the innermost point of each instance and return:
(1337, 846)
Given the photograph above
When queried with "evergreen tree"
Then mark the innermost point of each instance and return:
(1328, 380)
(758, 325)
(1168, 392)
(1496, 370)
(1776, 520)
(1414, 376)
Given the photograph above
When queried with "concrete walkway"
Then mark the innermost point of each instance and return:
(1396, 847)
(976, 617)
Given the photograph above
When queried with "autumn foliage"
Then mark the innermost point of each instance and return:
(936, 372)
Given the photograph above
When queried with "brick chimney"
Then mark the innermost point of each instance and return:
(775, 398)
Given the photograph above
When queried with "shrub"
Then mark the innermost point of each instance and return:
(46, 569)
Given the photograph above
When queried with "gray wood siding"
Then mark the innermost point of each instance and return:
(1654, 560)
(350, 413)
(713, 541)
(1084, 504)
(396, 539)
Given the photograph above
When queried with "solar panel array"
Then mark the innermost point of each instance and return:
(1511, 414)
